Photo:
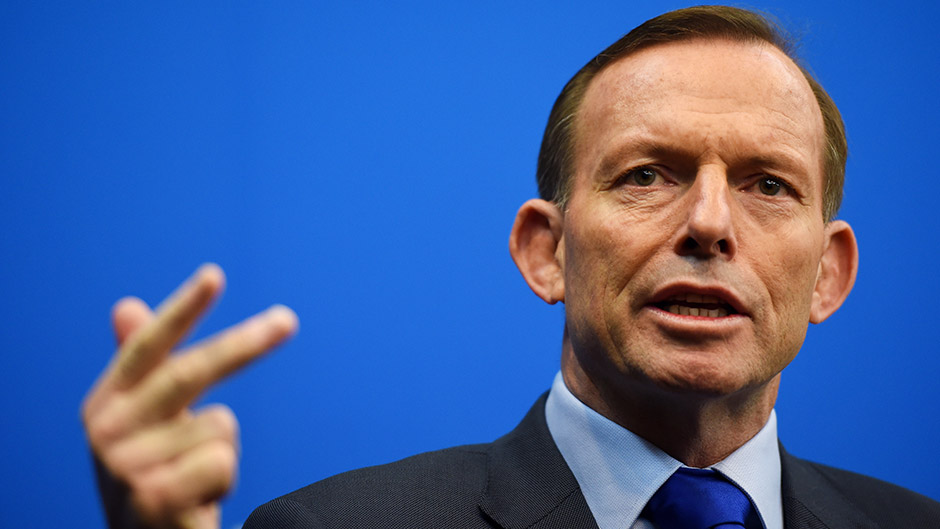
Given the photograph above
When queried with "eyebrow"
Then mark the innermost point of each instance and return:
(612, 161)
(774, 159)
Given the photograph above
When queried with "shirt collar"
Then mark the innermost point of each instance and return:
(619, 471)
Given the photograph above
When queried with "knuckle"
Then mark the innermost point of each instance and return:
(183, 373)
(152, 498)
(222, 462)
(127, 457)
(103, 430)
(114, 468)
(117, 461)
(163, 492)
(223, 421)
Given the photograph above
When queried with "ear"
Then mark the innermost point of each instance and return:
(535, 244)
(837, 270)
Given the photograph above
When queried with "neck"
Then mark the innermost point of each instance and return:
(697, 429)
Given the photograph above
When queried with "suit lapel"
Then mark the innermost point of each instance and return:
(529, 484)
(810, 501)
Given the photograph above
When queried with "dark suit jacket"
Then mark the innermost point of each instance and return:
(521, 481)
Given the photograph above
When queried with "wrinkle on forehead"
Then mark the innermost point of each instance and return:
(761, 82)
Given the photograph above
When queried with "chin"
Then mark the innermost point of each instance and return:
(704, 384)
(706, 376)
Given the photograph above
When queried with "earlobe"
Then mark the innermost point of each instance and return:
(535, 243)
(837, 270)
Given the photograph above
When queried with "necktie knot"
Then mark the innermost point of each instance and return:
(695, 498)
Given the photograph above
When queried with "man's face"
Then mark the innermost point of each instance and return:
(693, 234)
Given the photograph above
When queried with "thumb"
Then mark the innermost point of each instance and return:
(128, 315)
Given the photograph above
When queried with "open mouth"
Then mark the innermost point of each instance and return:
(702, 305)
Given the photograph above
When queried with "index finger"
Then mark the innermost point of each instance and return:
(176, 384)
(174, 317)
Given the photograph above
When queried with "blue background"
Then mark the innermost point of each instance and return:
(363, 163)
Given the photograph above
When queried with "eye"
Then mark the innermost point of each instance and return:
(641, 176)
(772, 186)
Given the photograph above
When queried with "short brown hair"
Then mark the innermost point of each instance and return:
(555, 164)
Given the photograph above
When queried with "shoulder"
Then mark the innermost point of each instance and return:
(520, 478)
(825, 490)
(883, 502)
(426, 490)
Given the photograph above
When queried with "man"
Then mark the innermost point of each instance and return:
(690, 175)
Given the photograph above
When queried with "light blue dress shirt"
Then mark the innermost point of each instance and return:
(619, 471)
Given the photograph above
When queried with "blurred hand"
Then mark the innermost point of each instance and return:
(161, 464)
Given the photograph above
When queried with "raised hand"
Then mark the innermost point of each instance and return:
(161, 464)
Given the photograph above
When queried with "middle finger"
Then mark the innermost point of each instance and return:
(174, 385)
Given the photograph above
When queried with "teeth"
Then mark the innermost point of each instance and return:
(682, 310)
(697, 298)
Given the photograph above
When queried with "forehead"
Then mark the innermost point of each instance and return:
(710, 95)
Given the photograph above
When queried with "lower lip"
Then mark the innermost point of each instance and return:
(697, 324)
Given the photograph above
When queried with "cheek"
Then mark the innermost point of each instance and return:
(604, 272)
(585, 271)
(592, 267)
(602, 257)
(790, 277)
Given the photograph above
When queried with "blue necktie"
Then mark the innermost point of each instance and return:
(695, 498)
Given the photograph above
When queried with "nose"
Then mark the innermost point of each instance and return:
(709, 228)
